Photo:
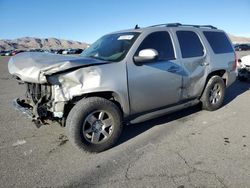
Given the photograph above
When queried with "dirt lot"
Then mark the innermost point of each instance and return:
(191, 148)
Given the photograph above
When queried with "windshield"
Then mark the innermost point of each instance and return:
(113, 47)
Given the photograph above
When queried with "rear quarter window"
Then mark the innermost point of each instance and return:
(218, 42)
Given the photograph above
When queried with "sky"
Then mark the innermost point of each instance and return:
(88, 20)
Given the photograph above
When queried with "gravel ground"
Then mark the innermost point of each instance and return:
(190, 148)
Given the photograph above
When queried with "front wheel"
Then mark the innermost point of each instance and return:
(214, 94)
(94, 124)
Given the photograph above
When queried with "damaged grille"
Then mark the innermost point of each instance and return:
(38, 91)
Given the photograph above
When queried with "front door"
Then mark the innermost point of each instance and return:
(158, 84)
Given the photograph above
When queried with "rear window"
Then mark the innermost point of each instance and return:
(219, 42)
(190, 44)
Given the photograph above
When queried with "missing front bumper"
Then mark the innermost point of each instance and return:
(23, 107)
(26, 109)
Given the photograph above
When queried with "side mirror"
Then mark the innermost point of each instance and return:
(146, 56)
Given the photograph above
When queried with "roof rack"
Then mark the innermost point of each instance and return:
(183, 25)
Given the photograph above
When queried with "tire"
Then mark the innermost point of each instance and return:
(214, 94)
(94, 124)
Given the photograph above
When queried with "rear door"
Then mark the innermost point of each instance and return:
(194, 61)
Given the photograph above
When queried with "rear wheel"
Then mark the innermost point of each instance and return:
(214, 94)
(94, 124)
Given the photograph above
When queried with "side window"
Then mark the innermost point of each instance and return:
(219, 42)
(161, 42)
(190, 44)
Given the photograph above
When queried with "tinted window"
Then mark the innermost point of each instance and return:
(219, 42)
(161, 42)
(190, 44)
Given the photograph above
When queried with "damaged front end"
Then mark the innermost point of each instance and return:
(46, 92)
(37, 103)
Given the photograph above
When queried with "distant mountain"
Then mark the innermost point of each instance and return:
(48, 43)
(238, 39)
(37, 43)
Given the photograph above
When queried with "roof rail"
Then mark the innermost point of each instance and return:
(167, 25)
(183, 25)
(199, 26)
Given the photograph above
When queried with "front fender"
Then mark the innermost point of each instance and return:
(89, 80)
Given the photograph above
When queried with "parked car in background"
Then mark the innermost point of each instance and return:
(244, 68)
(68, 51)
(14, 52)
(2, 53)
(242, 47)
(78, 51)
(58, 51)
(8, 53)
(72, 51)
(126, 77)
(36, 50)
(55, 51)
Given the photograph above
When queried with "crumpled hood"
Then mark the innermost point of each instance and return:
(35, 66)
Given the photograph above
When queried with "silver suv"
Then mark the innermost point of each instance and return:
(126, 77)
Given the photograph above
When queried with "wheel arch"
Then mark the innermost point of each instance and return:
(221, 72)
(109, 95)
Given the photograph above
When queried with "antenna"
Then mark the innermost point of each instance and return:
(137, 27)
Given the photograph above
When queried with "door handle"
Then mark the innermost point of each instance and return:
(173, 69)
(204, 63)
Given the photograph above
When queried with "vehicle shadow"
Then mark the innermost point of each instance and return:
(133, 130)
(236, 89)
